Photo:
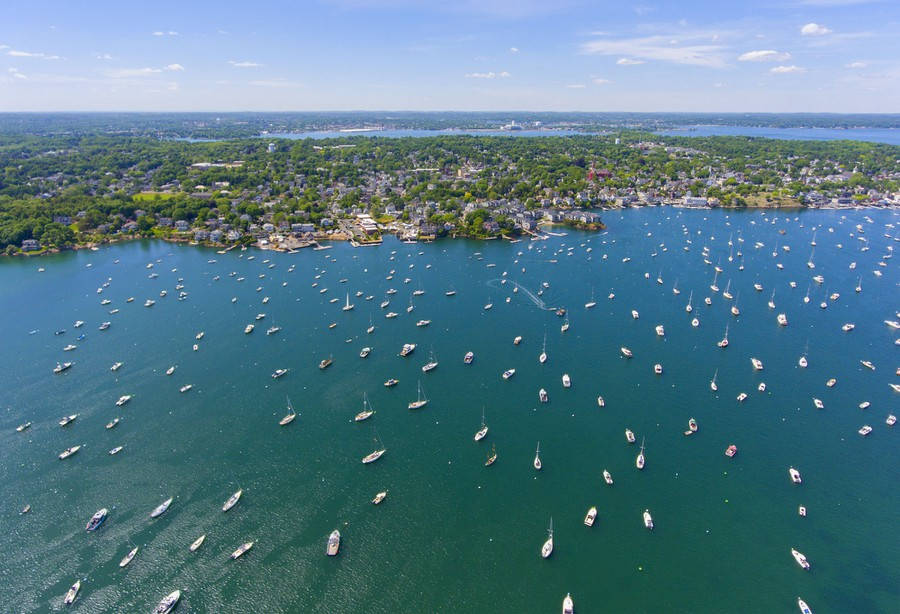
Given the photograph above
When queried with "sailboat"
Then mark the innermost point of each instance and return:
(543, 356)
(290, 415)
(482, 432)
(371, 328)
(367, 410)
(675, 289)
(547, 548)
(639, 461)
(712, 383)
(772, 300)
(376, 454)
(713, 285)
(689, 307)
(492, 457)
(537, 457)
(724, 342)
(420, 401)
(592, 303)
(727, 292)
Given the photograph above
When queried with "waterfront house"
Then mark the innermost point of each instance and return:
(30, 245)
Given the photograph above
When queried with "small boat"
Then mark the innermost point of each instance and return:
(240, 551)
(116, 366)
(639, 461)
(492, 457)
(801, 510)
(660, 331)
(408, 348)
(601, 402)
(757, 364)
(379, 497)
(537, 458)
(272, 330)
(468, 358)
(508, 373)
(363, 353)
(123, 400)
(517, 340)
(170, 370)
(232, 500)
(626, 352)
(185, 388)
(800, 558)
(635, 314)
(23, 427)
(629, 436)
(391, 383)
(730, 451)
(69, 347)
(334, 543)
(590, 517)
(483, 431)
(831, 382)
(116, 450)
(73, 593)
(891, 420)
(420, 401)
(325, 363)
(648, 520)
(168, 603)
(60, 367)
(568, 607)
(161, 509)
(547, 548)
(542, 395)
(68, 452)
(742, 397)
(249, 329)
(804, 609)
(197, 543)
(692, 427)
(566, 381)
(66, 420)
(367, 411)
(865, 430)
(657, 368)
(128, 557)
(795, 475)
(96, 520)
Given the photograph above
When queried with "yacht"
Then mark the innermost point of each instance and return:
(289, 417)
(492, 457)
(431, 364)
(867, 364)
(865, 430)
(69, 452)
(509, 373)
(325, 363)
(537, 457)
(468, 358)
(730, 451)
(772, 300)
(197, 543)
(804, 609)
(73, 593)
(639, 461)
(648, 520)
(800, 558)
(232, 500)
(629, 436)
(168, 603)
(795, 475)
(123, 400)
(547, 548)
(96, 520)
(67, 419)
(567, 606)
(590, 517)
(607, 477)
(408, 348)
(240, 551)
(566, 381)
(60, 367)
(160, 509)
(347, 306)
(565, 326)
(483, 431)
(379, 497)
(420, 401)
(542, 395)
(334, 543)
(128, 557)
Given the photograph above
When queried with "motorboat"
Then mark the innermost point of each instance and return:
(72, 594)
(804, 609)
(241, 551)
(185, 388)
(408, 348)
(468, 358)
(568, 607)
(391, 383)
(626, 352)
(730, 451)
(168, 603)
(542, 395)
(123, 400)
(363, 353)
(657, 368)
(865, 430)
(279, 373)
(648, 520)
(757, 364)
(66, 420)
(334, 543)
(566, 381)
(379, 497)
(60, 367)
(629, 436)
(508, 373)
(69, 452)
(795, 475)
(800, 558)
(97, 520)
(116, 450)
(325, 363)
(590, 517)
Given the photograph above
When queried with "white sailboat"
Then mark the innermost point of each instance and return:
(689, 307)
(483, 431)
(543, 356)
(347, 306)
(420, 401)
(537, 457)
(712, 383)
(639, 461)
(289, 417)
(547, 548)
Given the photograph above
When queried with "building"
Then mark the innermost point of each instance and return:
(30, 245)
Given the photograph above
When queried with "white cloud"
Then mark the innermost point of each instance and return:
(857, 65)
(158, 33)
(764, 55)
(130, 73)
(104, 56)
(244, 64)
(165, 33)
(514, 50)
(175, 67)
(599, 81)
(277, 83)
(16, 74)
(487, 75)
(28, 54)
(172, 33)
(814, 29)
(172, 86)
(4, 46)
(693, 50)
(786, 70)
(576, 86)
(629, 62)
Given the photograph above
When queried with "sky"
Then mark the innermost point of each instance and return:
(839, 56)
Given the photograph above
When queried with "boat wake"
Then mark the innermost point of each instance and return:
(534, 298)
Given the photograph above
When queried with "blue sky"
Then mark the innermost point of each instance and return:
(690, 55)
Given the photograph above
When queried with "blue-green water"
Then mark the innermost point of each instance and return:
(890, 136)
(453, 535)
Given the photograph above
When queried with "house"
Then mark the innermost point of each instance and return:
(694, 201)
(30, 245)
(201, 235)
(182, 226)
(491, 226)
(216, 236)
